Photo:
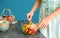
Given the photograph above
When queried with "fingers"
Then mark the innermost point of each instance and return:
(42, 25)
(29, 17)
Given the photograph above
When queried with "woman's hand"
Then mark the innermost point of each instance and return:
(44, 22)
(29, 16)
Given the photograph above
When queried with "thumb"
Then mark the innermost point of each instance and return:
(40, 23)
(28, 17)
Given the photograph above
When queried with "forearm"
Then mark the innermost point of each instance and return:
(55, 13)
(35, 6)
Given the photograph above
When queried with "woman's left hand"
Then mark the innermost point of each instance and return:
(44, 22)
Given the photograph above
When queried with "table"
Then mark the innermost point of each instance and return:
(15, 32)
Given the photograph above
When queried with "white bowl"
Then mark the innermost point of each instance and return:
(4, 25)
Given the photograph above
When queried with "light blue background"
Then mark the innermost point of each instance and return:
(19, 8)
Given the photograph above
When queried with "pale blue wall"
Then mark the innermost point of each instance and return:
(19, 8)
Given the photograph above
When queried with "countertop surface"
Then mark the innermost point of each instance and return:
(15, 32)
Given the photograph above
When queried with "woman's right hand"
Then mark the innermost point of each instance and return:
(29, 16)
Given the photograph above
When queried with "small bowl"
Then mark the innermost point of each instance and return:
(4, 26)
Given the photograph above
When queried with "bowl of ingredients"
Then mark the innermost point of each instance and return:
(29, 28)
(4, 26)
(8, 18)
